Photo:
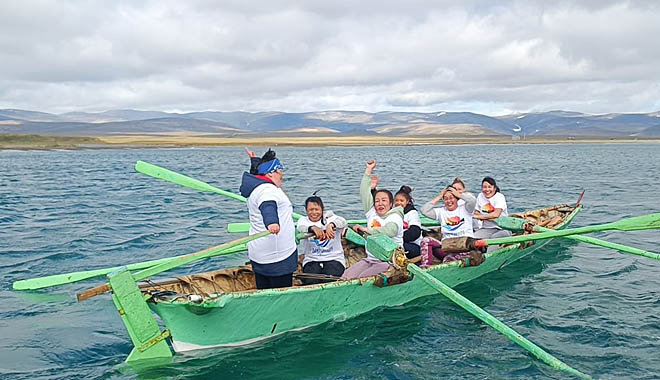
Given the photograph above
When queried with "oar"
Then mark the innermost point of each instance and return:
(516, 224)
(242, 227)
(644, 222)
(180, 179)
(67, 278)
(175, 262)
(493, 322)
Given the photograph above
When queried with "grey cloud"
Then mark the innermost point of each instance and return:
(590, 56)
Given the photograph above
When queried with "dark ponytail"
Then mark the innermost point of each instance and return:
(405, 190)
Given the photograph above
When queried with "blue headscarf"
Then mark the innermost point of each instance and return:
(269, 166)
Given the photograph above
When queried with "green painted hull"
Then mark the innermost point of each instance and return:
(244, 317)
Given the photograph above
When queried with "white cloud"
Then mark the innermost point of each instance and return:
(589, 56)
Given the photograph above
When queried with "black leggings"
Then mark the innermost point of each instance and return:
(332, 267)
(412, 250)
(270, 282)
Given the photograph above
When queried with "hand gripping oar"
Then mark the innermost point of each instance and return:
(516, 224)
(644, 222)
(493, 322)
(67, 278)
(175, 262)
(180, 179)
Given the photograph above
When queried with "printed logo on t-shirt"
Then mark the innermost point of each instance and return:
(405, 225)
(487, 208)
(453, 223)
(375, 224)
(320, 247)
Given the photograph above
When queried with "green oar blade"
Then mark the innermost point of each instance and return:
(242, 227)
(644, 222)
(493, 322)
(510, 223)
(180, 179)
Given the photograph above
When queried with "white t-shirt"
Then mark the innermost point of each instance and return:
(326, 250)
(373, 221)
(488, 205)
(411, 218)
(455, 223)
(272, 248)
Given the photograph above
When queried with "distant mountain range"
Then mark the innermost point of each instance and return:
(442, 124)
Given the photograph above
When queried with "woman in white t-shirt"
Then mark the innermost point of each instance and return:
(323, 252)
(491, 204)
(455, 219)
(274, 258)
(381, 219)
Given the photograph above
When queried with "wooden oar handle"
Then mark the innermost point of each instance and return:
(93, 292)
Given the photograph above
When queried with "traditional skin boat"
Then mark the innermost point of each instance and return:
(223, 308)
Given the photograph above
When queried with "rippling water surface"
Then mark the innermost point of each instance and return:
(595, 309)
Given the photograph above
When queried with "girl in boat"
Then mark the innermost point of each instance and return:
(412, 224)
(491, 204)
(455, 219)
(381, 219)
(323, 252)
(274, 258)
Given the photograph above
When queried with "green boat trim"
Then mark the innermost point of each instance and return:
(232, 318)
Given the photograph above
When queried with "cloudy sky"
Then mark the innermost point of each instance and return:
(298, 56)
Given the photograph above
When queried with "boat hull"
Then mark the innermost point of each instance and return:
(240, 318)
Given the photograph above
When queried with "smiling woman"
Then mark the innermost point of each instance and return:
(381, 219)
(323, 252)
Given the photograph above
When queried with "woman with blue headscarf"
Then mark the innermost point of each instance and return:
(274, 258)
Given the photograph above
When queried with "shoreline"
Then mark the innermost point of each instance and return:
(47, 142)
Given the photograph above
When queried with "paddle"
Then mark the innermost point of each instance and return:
(493, 322)
(180, 179)
(644, 222)
(516, 224)
(242, 227)
(67, 278)
(175, 262)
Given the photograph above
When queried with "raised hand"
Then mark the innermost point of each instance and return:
(371, 164)
(250, 153)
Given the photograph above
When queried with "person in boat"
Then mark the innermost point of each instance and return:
(274, 258)
(491, 204)
(455, 219)
(459, 185)
(382, 218)
(412, 224)
(323, 252)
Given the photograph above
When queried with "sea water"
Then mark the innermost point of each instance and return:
(593, 308)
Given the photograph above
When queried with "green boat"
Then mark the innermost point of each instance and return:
(222, 308)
